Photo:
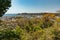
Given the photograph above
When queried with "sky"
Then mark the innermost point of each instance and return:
(34, 6)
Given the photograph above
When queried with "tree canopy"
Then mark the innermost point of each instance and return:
(4, 6)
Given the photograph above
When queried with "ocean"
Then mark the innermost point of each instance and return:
(10, 15)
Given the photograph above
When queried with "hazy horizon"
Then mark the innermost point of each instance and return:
(34, 6)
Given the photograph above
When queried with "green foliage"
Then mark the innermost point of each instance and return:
(7, 34)
(57, 34)
(30, 29)
(4, 5)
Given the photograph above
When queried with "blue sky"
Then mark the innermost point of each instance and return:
(34, 6)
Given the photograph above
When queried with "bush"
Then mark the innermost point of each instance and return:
(30, 29)
(8, 34)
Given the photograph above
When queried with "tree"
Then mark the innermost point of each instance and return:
(4, 6)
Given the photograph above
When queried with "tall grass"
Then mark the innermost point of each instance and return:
(46, 27)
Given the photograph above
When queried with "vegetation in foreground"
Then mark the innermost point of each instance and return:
(45, 27)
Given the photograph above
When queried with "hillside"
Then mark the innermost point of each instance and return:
(44, 27)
